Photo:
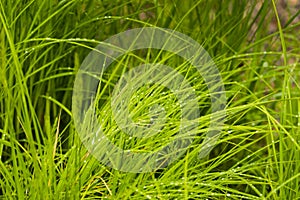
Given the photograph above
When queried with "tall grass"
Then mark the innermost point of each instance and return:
(43, 43)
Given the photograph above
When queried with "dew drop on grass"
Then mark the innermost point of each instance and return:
(228, 194)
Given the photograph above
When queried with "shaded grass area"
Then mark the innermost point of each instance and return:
(42, 44)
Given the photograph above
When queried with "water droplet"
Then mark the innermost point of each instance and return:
(265, 64)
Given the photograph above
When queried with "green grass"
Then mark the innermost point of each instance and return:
(42, 45)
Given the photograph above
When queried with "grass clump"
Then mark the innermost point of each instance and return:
(42, 45)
